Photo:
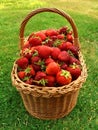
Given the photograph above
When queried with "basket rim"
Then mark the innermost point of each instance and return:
(49, 91)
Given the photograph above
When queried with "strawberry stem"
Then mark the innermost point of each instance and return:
(41, 81)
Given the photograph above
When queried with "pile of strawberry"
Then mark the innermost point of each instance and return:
(49, 58)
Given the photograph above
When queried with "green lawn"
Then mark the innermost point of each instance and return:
(13, 115)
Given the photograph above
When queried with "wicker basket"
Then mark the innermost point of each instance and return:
(49, 102)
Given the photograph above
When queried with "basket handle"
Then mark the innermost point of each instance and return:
(54, 10)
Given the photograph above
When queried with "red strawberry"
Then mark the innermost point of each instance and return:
(48, 42)
(26, 45)
(63, 30)
(22, 62)
(60, 36)
(69, 38)
(65, 45)
(64, 66)
(50, 80)
(41, 35)
(63, 56)
(51, 32)
(30, 71)
(48, 60)
(35, 41)
(39, 75)
(21, 74)
(73, 60)
(75, 71)
(26, 52)
(52, 68)
(44, 51)
(34, 62)
(53, 38)
(62, 45)
(55, 52)
(31, 35)
(29, 81)
(63, 77)
(74, 49)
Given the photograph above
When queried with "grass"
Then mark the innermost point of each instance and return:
(13, 115)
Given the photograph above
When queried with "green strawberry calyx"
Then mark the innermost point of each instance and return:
(65, 73)
(41, 63)
(35, 53)
(27, 51)
(57, 43)
(74, 66)
(27, 70)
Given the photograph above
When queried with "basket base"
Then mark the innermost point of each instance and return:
(51, 117)
(50, 108)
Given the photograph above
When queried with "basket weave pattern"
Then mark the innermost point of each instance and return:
(49, 102)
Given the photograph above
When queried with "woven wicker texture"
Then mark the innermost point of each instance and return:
(49, 102)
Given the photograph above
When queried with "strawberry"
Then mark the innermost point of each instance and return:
(75, 71)
(30, 71)
(68, 45)
(63, 77)
(60, 36)
(41, 35)
(62, 46)
(55, 52)
(74, 49)
(35, 41)
(51, 32)
(44, 51)
(29, 81)
(73, 60)
(53, 38)
(34, 62)
(31, 35)
(22, 62)
(21, 74)
(65, 45)
(64, 66)
(63, 56)
(48, 42)
(52, 68)
(26, 45)
(26, 52)
(48, 60)
(39, 75)
(69, 38)
(50, 80)
(63, 30)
